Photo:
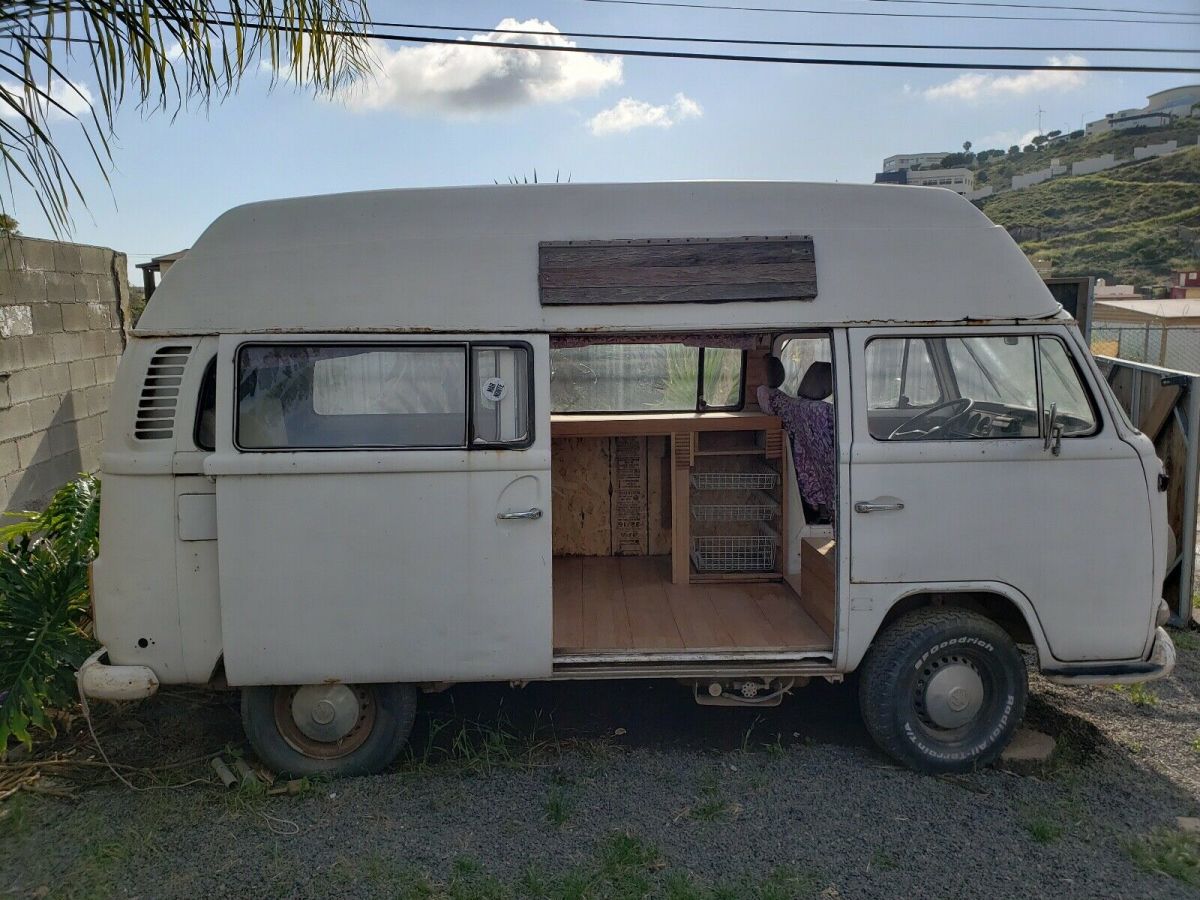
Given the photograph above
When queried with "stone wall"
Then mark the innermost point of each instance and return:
(63, 308)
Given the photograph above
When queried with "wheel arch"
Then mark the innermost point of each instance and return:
(1000, 603)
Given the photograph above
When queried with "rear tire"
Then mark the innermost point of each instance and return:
(330, 730)
(942, 690)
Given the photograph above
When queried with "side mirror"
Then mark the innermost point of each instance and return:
(1052, 439)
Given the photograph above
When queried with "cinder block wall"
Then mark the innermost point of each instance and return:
(63, 309)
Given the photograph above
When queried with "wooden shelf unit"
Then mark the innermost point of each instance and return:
(756, 447)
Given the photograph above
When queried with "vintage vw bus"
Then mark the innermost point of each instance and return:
(739, 435)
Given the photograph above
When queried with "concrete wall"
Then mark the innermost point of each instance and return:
(62, 314)
(1155, 150)
(1093, 164)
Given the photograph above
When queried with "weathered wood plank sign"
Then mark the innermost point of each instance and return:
(676, 270)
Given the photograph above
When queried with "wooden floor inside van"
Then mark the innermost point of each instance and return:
(629, 602)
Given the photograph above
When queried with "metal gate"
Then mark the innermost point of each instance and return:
(1165, 406)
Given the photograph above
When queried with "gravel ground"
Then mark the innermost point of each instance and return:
(628, 790)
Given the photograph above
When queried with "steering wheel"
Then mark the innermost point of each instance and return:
(960, 407)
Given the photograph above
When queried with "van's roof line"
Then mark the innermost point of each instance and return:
(466, 259)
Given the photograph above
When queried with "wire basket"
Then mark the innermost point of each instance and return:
(729, 553)
(763, 509)
(734, 481)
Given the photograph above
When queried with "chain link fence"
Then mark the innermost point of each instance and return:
(1170, 348)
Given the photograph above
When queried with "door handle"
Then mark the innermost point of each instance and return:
(534, 513)
(864, 507)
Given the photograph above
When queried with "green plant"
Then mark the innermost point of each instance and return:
(8, 225)
(44, 627)
(1043, 830)
(1139, 694)
(1165, 851)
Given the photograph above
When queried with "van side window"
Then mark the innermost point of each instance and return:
(345, 396)
(1062, 386)
(501, 377)
(204, 434)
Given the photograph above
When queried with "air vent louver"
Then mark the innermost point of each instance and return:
(160, 394)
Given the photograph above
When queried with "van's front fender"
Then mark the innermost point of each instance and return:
(870, 604)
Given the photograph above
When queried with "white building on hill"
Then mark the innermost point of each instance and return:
(1160, 109)
(914, 161)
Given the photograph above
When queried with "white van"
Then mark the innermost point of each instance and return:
(739, 435)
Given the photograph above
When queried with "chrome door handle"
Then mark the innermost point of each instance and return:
(534, 513)
(877, 507)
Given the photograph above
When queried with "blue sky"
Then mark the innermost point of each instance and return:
(436, 117)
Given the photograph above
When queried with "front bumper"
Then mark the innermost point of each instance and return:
(1160, 664)
(102, 681)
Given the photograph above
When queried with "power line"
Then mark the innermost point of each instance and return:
(992, 5)
(723, 57)
(680, 4)
(675, 39)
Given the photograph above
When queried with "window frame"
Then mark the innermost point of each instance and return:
(1088, 393)
(467, 347)
(472, 386)
(202, 392)
(700, 408)
(1037, 337)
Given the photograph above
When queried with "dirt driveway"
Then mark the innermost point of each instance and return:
(622, 790)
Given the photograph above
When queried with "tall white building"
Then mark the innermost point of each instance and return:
(913, 161)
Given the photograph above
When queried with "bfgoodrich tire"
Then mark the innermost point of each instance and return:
(942, 690)
(304, 730)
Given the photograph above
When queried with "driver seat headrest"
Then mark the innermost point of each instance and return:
(817, 383)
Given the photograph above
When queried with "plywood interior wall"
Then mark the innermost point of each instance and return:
(611, 496)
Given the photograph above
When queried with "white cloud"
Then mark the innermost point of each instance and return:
(466, 81)
(976, 86)
(72, 97)
(629, 114)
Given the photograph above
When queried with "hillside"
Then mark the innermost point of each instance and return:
(1130, 225)
(999, 170)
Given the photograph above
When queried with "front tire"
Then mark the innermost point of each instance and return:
(328, 729)
(942, 690)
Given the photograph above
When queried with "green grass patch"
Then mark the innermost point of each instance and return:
(1043, 831)
(1138, 694)
(1166, 851)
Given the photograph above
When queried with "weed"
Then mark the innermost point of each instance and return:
(1185, 639)
(622, 850)
(1166, 851)
(1043, 831)
(749, 731)
(775, 747)
(559, 805)
(481, 747)
(1138, 694)
(1195, 745)
(882, 861)
(713, 808)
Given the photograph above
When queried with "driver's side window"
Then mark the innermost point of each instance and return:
(953, 388)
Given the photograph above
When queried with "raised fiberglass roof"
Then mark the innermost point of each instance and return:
(466, 259)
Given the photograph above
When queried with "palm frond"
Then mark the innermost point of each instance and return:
(163, 53)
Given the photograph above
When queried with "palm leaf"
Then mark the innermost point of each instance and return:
(164, 53)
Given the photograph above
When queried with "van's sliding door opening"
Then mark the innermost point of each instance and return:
(681, 529)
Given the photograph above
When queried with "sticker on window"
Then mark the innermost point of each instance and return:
(494, 389)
